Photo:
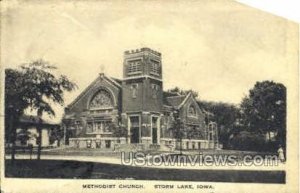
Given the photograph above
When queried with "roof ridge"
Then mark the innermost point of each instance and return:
(176, 96)
(101, 75)
(185, 99)
(112, 79)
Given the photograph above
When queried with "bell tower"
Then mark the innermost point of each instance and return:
(142, 94)
(142, 80)
(142, 62)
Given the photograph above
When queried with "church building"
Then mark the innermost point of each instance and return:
(136, 110)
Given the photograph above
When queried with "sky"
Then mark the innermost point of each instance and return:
(217, 48)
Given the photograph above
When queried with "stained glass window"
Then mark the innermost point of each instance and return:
(101, 100)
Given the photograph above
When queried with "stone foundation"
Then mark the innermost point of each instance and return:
(103, 143)
(146, 143)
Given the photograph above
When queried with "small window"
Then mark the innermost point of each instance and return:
(134, 88)
(155, 67)
(89, 128)
(98, 126)
(98, 144)
(154, 89)
(77, 142)
(106, 127)
(192, 111)
(134, 67)
(107, 143)
(89, 143)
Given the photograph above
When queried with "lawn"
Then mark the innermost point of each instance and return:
(89, 170)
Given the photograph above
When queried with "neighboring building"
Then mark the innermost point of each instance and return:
(138, 105)
(27, 133)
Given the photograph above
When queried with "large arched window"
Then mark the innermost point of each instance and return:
(192, 111)
(101, 100)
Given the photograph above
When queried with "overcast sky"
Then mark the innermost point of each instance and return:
(217, 48)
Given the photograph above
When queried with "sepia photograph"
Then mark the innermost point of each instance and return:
(148, 96)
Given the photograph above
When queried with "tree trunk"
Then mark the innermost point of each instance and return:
(40, 135)
(13, 138)
(180, 146)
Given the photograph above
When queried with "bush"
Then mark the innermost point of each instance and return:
(247, 141)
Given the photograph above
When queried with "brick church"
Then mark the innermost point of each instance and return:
(111, 112)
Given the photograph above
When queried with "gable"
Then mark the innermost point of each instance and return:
(102, 82)
(190, 101)
(189, 105)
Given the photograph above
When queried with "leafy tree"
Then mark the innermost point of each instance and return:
(248, 141)
(195, 133)
(56, 134)
(24, 135)
(32, 86)
(225, 115)
(183, 92)
(264, 110)
(118, 130)
(178, 129)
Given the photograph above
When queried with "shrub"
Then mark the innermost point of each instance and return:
(247, 141)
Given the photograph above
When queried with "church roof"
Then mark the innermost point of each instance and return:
(119, 81)
(113, 81)
(176, 101)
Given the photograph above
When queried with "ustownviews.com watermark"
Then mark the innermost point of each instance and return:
(144, 159)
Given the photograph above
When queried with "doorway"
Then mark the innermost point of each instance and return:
(154, 130)
(135, 129)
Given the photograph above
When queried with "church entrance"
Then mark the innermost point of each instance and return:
(135, 129)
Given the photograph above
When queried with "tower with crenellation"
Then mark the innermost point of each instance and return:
(142, 92)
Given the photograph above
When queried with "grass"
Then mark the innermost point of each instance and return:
(89, 170)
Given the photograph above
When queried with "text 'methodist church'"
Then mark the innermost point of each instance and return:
(138, 105)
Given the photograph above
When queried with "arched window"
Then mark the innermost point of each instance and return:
(101, 100)
(192, 111)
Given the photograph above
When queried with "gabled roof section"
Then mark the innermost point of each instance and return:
(118, 81)
(114, 81)
(176, 101)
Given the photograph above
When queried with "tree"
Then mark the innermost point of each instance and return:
(32, 86)
(56, 134)
(264, 110)
(247, 141)
(118, 130)
(14, 105)
(225, 115)
(183, 92)
(178, 129)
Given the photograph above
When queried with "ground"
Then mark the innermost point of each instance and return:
(91, 170)
(105, 164)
